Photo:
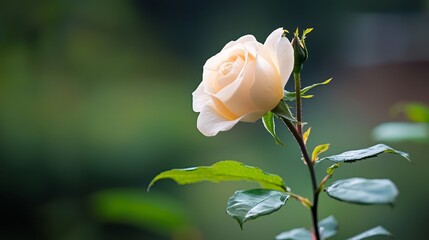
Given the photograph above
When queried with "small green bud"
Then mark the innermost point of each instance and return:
(300, 50)
(300, 53)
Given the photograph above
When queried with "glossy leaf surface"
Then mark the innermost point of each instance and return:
(245, 205)
(356, 155)
(364, 191)
(270, 126)
(223, 171)
(371, 233)
(295, 234)
(328, 227)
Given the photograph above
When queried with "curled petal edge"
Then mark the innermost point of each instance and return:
(210, 123)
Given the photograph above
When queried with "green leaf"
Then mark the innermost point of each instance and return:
(306, 135)
(269, 124)
(291, 96)
(246, 205)
(283, 110)
(330, 170)
(223, 171)
(308, 88)
(363, 191)
(372, 232)
(328, 227)
(356, 155)
(318, 150)
(402, 132)
(295, 234)
(306, 31)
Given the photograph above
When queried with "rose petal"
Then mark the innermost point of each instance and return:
(199, 98)
(253, 48)
(236, 95)
(253, 116)
(242, 40)
(228, 77)
(281, 51)
(222, 110)
(267, 89)
(212, 71)
(211, 123)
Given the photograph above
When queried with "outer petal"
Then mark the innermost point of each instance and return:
(211, 123)
(253, 48)
(244, 39)
(253, 116)
(199, 98)
(281, 52)
(267, 90)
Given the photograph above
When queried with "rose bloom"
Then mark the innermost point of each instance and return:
(242, 82)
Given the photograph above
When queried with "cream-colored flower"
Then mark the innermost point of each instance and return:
(242, 82)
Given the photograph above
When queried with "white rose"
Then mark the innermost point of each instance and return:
(242, 82)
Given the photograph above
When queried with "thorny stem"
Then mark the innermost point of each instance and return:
(310, 166)
(297, 134)
(297, 78)
(300, 55)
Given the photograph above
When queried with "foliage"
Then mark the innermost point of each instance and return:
(364, 191)
(269, 124)
(245, 205)
(290, 96)
(376, 231)
(223, 171)
(327, 227)
(361, 154)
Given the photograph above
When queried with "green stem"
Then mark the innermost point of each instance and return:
(297, 78)
(310, 165)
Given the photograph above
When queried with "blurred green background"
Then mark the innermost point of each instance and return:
(95, 100)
